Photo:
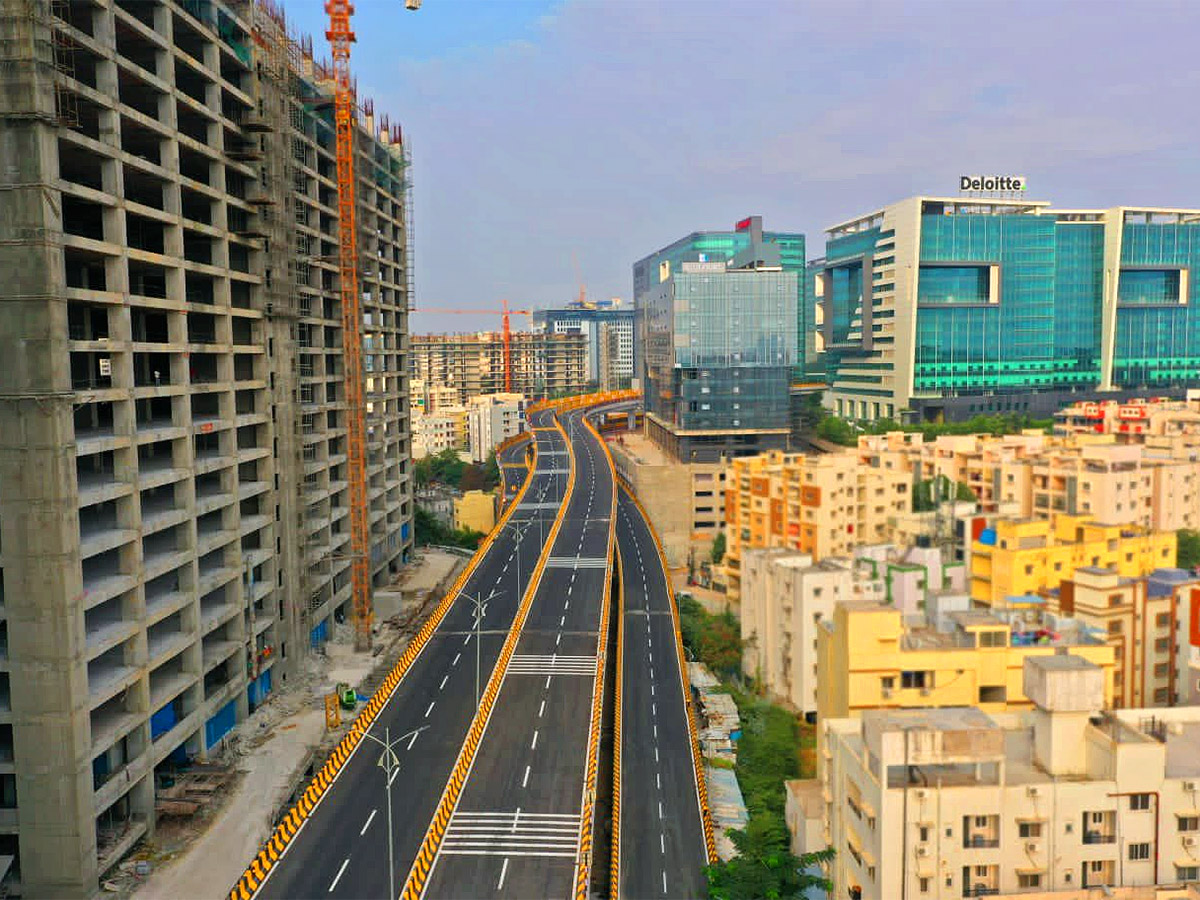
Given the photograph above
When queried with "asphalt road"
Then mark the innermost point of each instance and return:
(662, 837)
(514, 467)
(515, 830)
(342, 849)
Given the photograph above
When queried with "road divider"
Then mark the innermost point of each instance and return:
(418, 876)
(614, 888)
(274, 848)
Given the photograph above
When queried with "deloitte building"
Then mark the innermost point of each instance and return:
(944, 308)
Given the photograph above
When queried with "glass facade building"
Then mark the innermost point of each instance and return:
(1007, 300)
(724, 246)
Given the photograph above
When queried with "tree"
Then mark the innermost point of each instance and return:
(764, 867)
(831, 428)
(491, 472)
(720, 645)
(718, 549)
(1187, 553)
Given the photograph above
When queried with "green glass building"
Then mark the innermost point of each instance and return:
(939, 308)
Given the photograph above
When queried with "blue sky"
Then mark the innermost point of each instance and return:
(605, 129)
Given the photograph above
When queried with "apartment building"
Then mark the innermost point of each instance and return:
(491, 420)
(475, 511)
(1138, 420)
(608, 330)
(1145, 619)
(1105, 476)
(957, 802)
(435, 432)
(173, 494)
(544, 364)
(425, 398)
(1018, 558)
(821, 505)
(868, 658)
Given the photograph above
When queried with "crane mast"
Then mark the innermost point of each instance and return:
(340, 38)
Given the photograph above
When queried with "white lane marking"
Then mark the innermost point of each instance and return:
(456, 656)
(503, 872)
(656, 753)
(541, 709)
(562, 621)
(430, 709)
(338, 876)
(558, 640)
(547, 682)
(445, 678)
(533, 744)
(525, 780)
(658, 780)
(395, 772)
(660, 809)
(655, 731)
(651, 690)
(412, 740)
(367, 825)
(662, 842)
(467, 639)
(664, 881)
(654, 709)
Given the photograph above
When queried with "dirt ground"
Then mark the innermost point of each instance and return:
(201, 857)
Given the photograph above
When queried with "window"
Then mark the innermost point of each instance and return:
(924, 884)
(1029, 570)
(887, 682)
(982, 871)
(1139, 801)
(916, 679)
(923, 833)
(1189, 823)
(1162, 645)
(1029, 880)
(1139, 851)
(1187, 873)
(1114, 599)
(1029, 829)
(1116, 627)
(981, 821)
(1162, 620)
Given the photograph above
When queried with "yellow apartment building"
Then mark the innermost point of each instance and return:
(475, 511)
(868, 659)
(1027, 556)
(820, 505)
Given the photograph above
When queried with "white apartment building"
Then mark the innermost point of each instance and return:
(933, 804)
(784, 597)
(442, 430)
(492, 419)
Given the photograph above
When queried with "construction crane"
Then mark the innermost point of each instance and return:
(340, 37)
(505, 329)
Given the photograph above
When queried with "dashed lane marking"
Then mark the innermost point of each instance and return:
(338, 876)
(367, 824)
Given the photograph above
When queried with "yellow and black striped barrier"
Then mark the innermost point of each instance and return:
(614, 890)
(581, 401)
(583, 860)
(710, 843)
(418, 876)
(287, 829)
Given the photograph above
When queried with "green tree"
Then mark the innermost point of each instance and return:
(831, 428)
(720, 645)
(764, 867)
(491, 472)
(717, 553)
(1187, 553)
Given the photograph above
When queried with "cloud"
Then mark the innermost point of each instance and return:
(611, 128)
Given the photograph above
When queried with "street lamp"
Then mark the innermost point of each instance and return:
(389, 762)
(480, 612)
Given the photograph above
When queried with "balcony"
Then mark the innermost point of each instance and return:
(1098, 837)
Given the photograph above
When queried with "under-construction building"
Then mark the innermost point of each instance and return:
(174, 532)
(543, 364)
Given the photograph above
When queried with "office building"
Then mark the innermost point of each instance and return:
(958, 802)
(720, 345)
(491, 420)
(725, 246)
(472, 365)
(823, 505)
(594, 321)
(943, 308)
(1019, 558)
(173, 493)
(868, 658)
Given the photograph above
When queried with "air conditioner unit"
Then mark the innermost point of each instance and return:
(1032, 847)
(1189, 840)
(1189, 786)
(924, 692)
(887, 693)
(920, 795)
(922, 849)
(1031, 791)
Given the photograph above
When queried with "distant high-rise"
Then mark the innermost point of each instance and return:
(173, 483)
(591, 321)
(719, 342)
(543, 364)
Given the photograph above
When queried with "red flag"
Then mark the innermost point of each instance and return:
(743, 225)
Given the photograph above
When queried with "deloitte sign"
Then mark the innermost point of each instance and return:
(999, 184)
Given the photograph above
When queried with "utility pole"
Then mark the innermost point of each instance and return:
(480, 612)
(390, 762)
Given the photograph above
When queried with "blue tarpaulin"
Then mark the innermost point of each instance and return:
(220, 724)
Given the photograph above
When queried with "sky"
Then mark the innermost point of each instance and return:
(556, 138)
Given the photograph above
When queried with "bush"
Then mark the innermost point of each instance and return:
(1187, 553)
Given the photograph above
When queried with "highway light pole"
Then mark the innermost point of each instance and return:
(480, 612)
(389, 762)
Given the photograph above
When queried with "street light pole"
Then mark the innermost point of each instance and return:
(480, 612)
(389, 762)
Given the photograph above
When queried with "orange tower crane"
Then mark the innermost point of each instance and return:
(340, 38)
(505, 330)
